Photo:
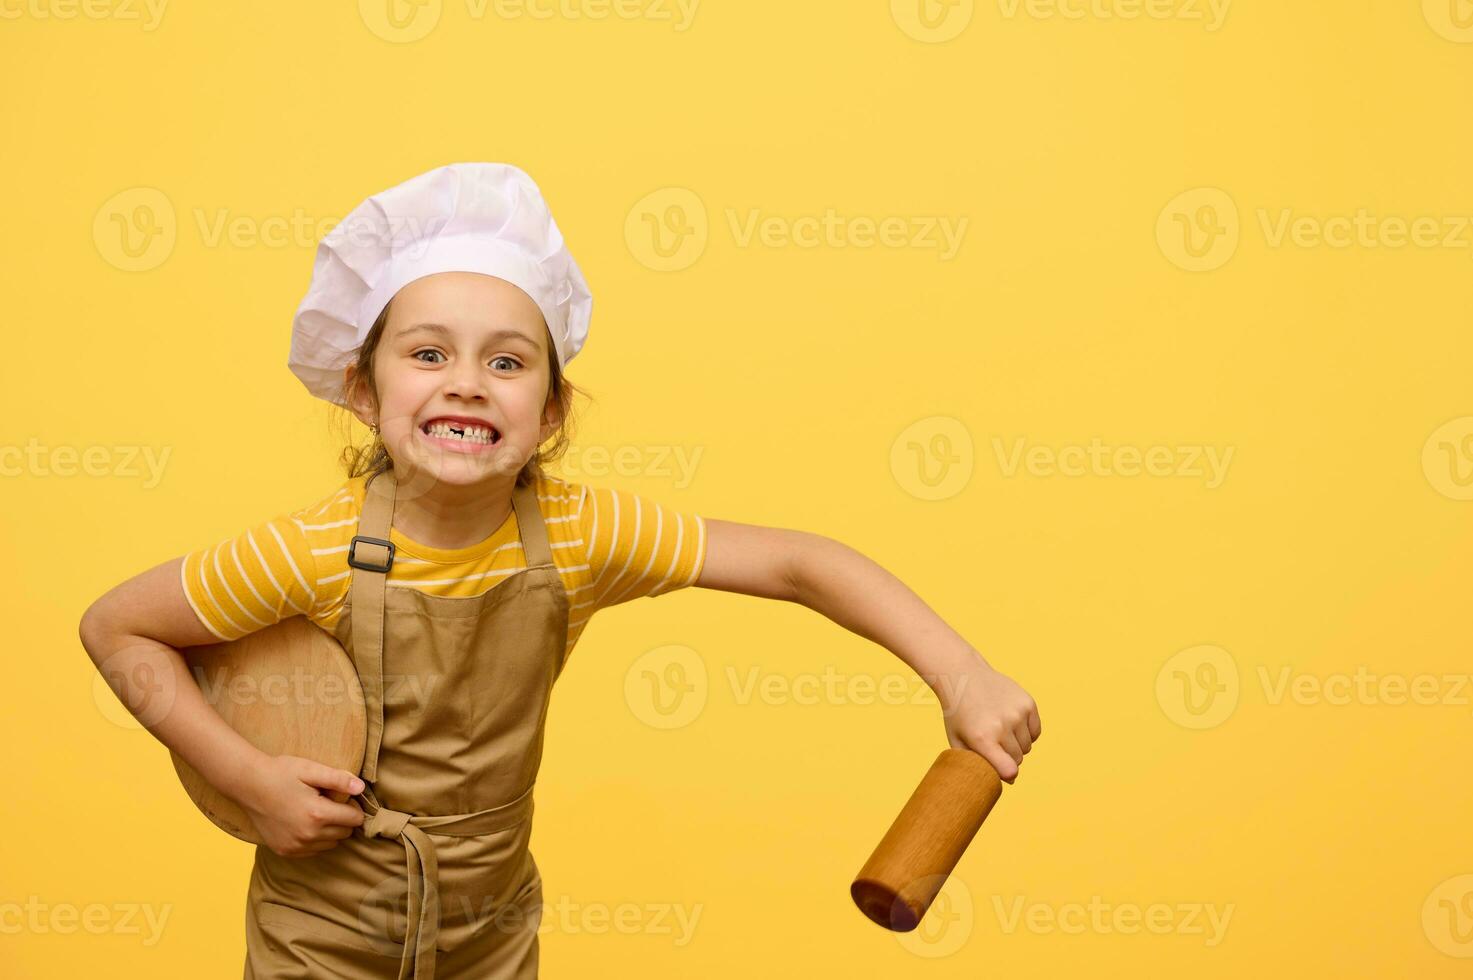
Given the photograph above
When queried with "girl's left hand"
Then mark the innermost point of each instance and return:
(986, 711)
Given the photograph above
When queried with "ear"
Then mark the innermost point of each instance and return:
(552, 417)
(360, 403)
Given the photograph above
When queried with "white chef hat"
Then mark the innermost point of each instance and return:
(462, 217)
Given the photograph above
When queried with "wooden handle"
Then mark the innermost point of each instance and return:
(902, 877)
(288, 689)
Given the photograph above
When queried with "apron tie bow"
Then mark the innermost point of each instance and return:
(384, 822)
(423, 930)
(422, 927)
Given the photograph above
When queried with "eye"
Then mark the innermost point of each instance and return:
(427, 350)
(511, 360)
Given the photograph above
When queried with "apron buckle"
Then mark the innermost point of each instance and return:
(357, 562)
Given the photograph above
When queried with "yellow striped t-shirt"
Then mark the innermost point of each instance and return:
(609, 545)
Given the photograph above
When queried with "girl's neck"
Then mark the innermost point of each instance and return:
(451, 517)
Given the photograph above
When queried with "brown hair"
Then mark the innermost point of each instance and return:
(374, 458)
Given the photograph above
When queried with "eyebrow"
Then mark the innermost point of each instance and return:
(505, 333)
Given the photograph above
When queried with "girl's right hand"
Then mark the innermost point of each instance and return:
(289, 803)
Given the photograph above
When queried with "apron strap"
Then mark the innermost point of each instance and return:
(371, 554)
(531, 526)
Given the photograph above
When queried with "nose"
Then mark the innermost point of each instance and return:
(465, 380)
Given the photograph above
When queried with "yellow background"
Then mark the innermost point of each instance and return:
(1333, 543)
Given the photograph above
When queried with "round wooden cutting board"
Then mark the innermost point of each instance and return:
(289, 689)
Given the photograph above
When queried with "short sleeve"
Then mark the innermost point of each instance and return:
(248, 582)
(637, 547)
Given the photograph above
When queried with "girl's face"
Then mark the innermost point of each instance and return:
(463, 348)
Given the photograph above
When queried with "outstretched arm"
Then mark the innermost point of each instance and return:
(984, 710)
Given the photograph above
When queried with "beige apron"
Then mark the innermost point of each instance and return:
(439, 879)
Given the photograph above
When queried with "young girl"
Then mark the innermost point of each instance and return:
(442, 313)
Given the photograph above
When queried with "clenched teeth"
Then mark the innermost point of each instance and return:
(468, 433)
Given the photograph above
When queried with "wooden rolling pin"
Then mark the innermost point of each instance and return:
(903, 876)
